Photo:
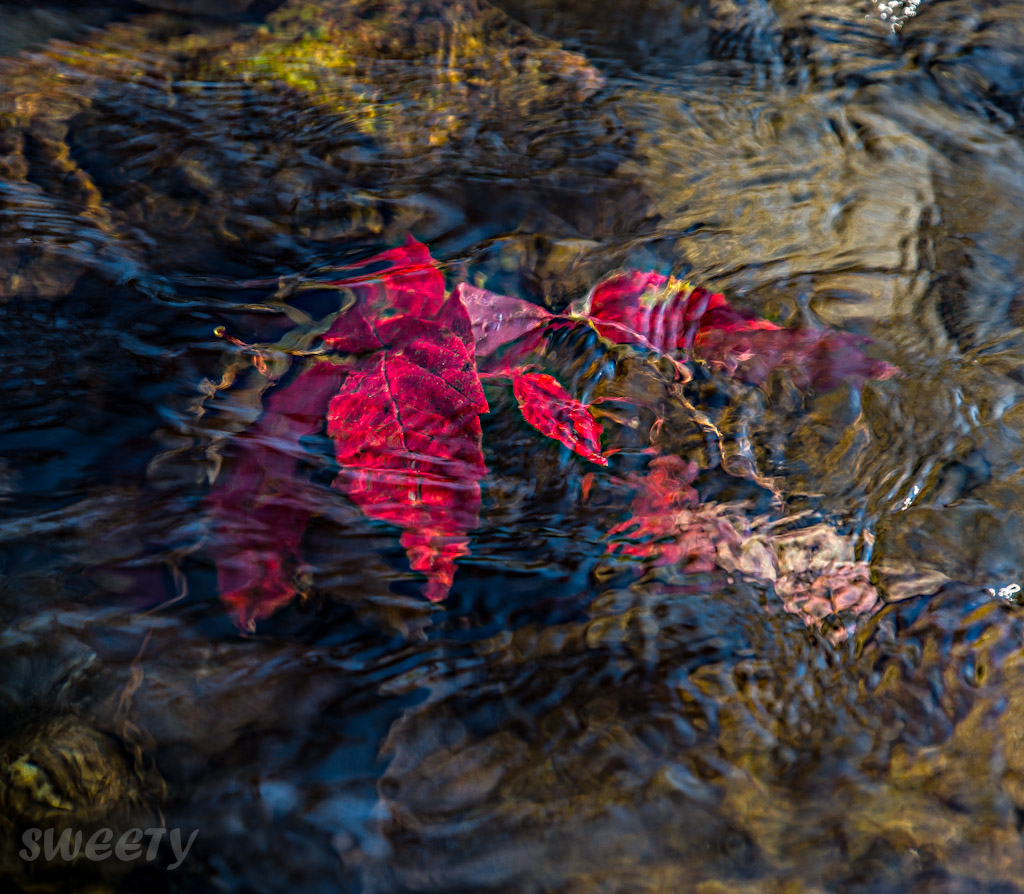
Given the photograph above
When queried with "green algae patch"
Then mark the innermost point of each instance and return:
(415, 75)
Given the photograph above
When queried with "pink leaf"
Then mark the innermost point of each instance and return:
(667, 487)
(818, 358)
(554, 412)
(713, 312)
(844, 586)
(407, 435)
(499, 320)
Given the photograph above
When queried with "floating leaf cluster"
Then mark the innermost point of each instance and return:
(401, 390)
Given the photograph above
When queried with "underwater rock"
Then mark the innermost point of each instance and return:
(972, 53)
(31, 23)
(679, 740)
(63, 776)
(65, 773)
(658, 35)
(248, 146)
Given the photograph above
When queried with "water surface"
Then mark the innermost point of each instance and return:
(565, 721)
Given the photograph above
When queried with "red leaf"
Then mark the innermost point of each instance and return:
(499, 320)
(406, 429)
(665, 315)
(554, 412)
(261, 507)
(659, 312)
(718, 315)
(668, 527)
(664, 492)
(622, 309)
(812, 569)
(423, 477)
(402, 281)
(586, 484)
(667, 488)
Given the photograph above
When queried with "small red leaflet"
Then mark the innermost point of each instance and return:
(554, 412)
(668, 526)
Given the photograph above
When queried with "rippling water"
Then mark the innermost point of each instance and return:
(566, 721)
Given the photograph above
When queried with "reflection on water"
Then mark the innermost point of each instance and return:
(568, 720)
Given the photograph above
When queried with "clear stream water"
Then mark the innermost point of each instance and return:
(563, 722)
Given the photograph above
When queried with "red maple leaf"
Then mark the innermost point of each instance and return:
(406, 429)
(553, 411)
(658, 312)
(663, 314)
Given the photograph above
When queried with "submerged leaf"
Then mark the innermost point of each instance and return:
(667, 527)
(407, 436)
(405, 421)
(814, 570)
(667, 488)
(553, 411)
(261, 508)
(658, 312)
(817, 358)
(663, 314)
(403, 281)
(639, 308)
(499, 320)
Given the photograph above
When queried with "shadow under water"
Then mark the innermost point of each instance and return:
(573, 717)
